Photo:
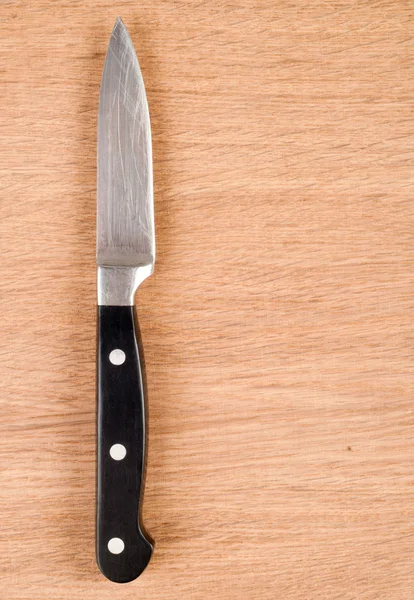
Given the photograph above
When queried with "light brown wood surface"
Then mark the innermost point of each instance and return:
(278, 326)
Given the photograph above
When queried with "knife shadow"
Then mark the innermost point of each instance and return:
(141, 355)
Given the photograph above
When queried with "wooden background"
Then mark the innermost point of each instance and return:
(278, 327)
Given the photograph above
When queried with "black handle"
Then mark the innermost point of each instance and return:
(122, 549)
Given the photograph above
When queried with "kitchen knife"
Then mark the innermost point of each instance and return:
(125, 258)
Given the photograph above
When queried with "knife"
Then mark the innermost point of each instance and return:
(125, 258)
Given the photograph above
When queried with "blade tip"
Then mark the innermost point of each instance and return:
(118, 24)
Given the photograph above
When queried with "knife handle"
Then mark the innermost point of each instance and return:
(123, 550)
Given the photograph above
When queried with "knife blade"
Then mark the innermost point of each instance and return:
(125, 252)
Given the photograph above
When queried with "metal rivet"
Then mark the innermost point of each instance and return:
(116, 546)
(117, 357)
(117, 451)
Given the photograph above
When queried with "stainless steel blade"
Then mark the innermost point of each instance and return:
(125, 216)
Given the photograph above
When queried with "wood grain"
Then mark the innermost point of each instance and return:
(278, 327)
